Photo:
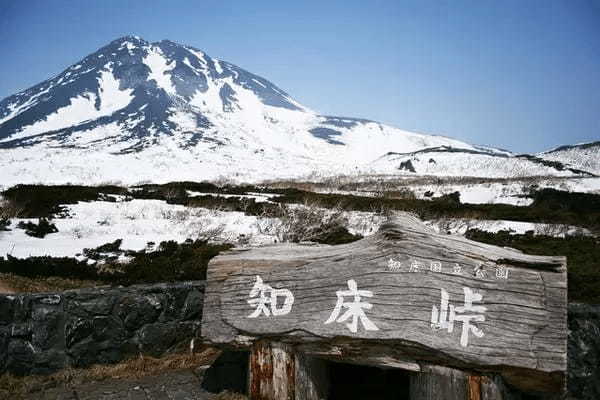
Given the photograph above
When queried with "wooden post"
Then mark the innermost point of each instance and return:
(439, 383)
(276, 372)
(311, 378)
(495, 388)
(271, 372)
(451, 384)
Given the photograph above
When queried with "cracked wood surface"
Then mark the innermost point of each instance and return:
(525, 327)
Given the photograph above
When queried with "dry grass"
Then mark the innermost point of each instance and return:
(227, 395)
(144, 365)
(18, 387)
(20, 284)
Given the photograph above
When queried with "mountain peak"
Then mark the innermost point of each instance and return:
(129, 38)
(168, 106)
(139, 87)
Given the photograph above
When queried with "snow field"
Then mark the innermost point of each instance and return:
(137, 222)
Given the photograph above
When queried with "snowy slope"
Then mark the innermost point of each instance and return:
(584, 156)
(137, 111)
(447, 161)
(137, 222)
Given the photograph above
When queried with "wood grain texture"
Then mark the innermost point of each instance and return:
(272, 372)
(439, 383)
(524, 330)
(311, 378)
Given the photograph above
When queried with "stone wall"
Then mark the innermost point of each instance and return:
(43, 333)
(584, 351)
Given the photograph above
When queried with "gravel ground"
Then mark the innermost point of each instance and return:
(178, 385)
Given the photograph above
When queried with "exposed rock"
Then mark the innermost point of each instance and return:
(407, 165)
(20, 356)
(6, 309)
(584, 352)
(138, 310)
(88, 304)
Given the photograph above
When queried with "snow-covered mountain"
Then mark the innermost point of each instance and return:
(585, 156)
(138, 111)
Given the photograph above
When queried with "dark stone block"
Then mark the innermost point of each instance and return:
(21, 357)
(584, 352)
(137, 310)
(174, 301)
(108, 328)
(49, 361)
(47, 326)
(90, 351)
(98, 340)
(7, 309)
(22, 330)
(159, 338)
(4, 339)
(48, 299)
(91, 304)
(156, 339)
(187, 331)
(77, 329)
(22, 308)
(192, 308)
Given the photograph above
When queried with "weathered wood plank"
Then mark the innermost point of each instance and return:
(311, 378)
(272, 372)
(439, 383)
(290, 293)
(451, 384)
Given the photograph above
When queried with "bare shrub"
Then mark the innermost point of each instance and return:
(553, 230)
(308, 222)
(211, 234)
(245, 202)
(174, 193)
(267, 223)
(445, 225)
(381, 210)
(9, 209)
(204, 229)
(222, 181)
(401, 193)
(175, 215)
(199, 222)
(455, 225)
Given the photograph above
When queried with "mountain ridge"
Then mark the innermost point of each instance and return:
(174, 103)
(584, 156)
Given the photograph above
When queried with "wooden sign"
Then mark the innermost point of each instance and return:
(405, 297)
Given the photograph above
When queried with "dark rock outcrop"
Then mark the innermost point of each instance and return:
(584, 351)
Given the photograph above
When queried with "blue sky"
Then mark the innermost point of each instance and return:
(521, 75)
